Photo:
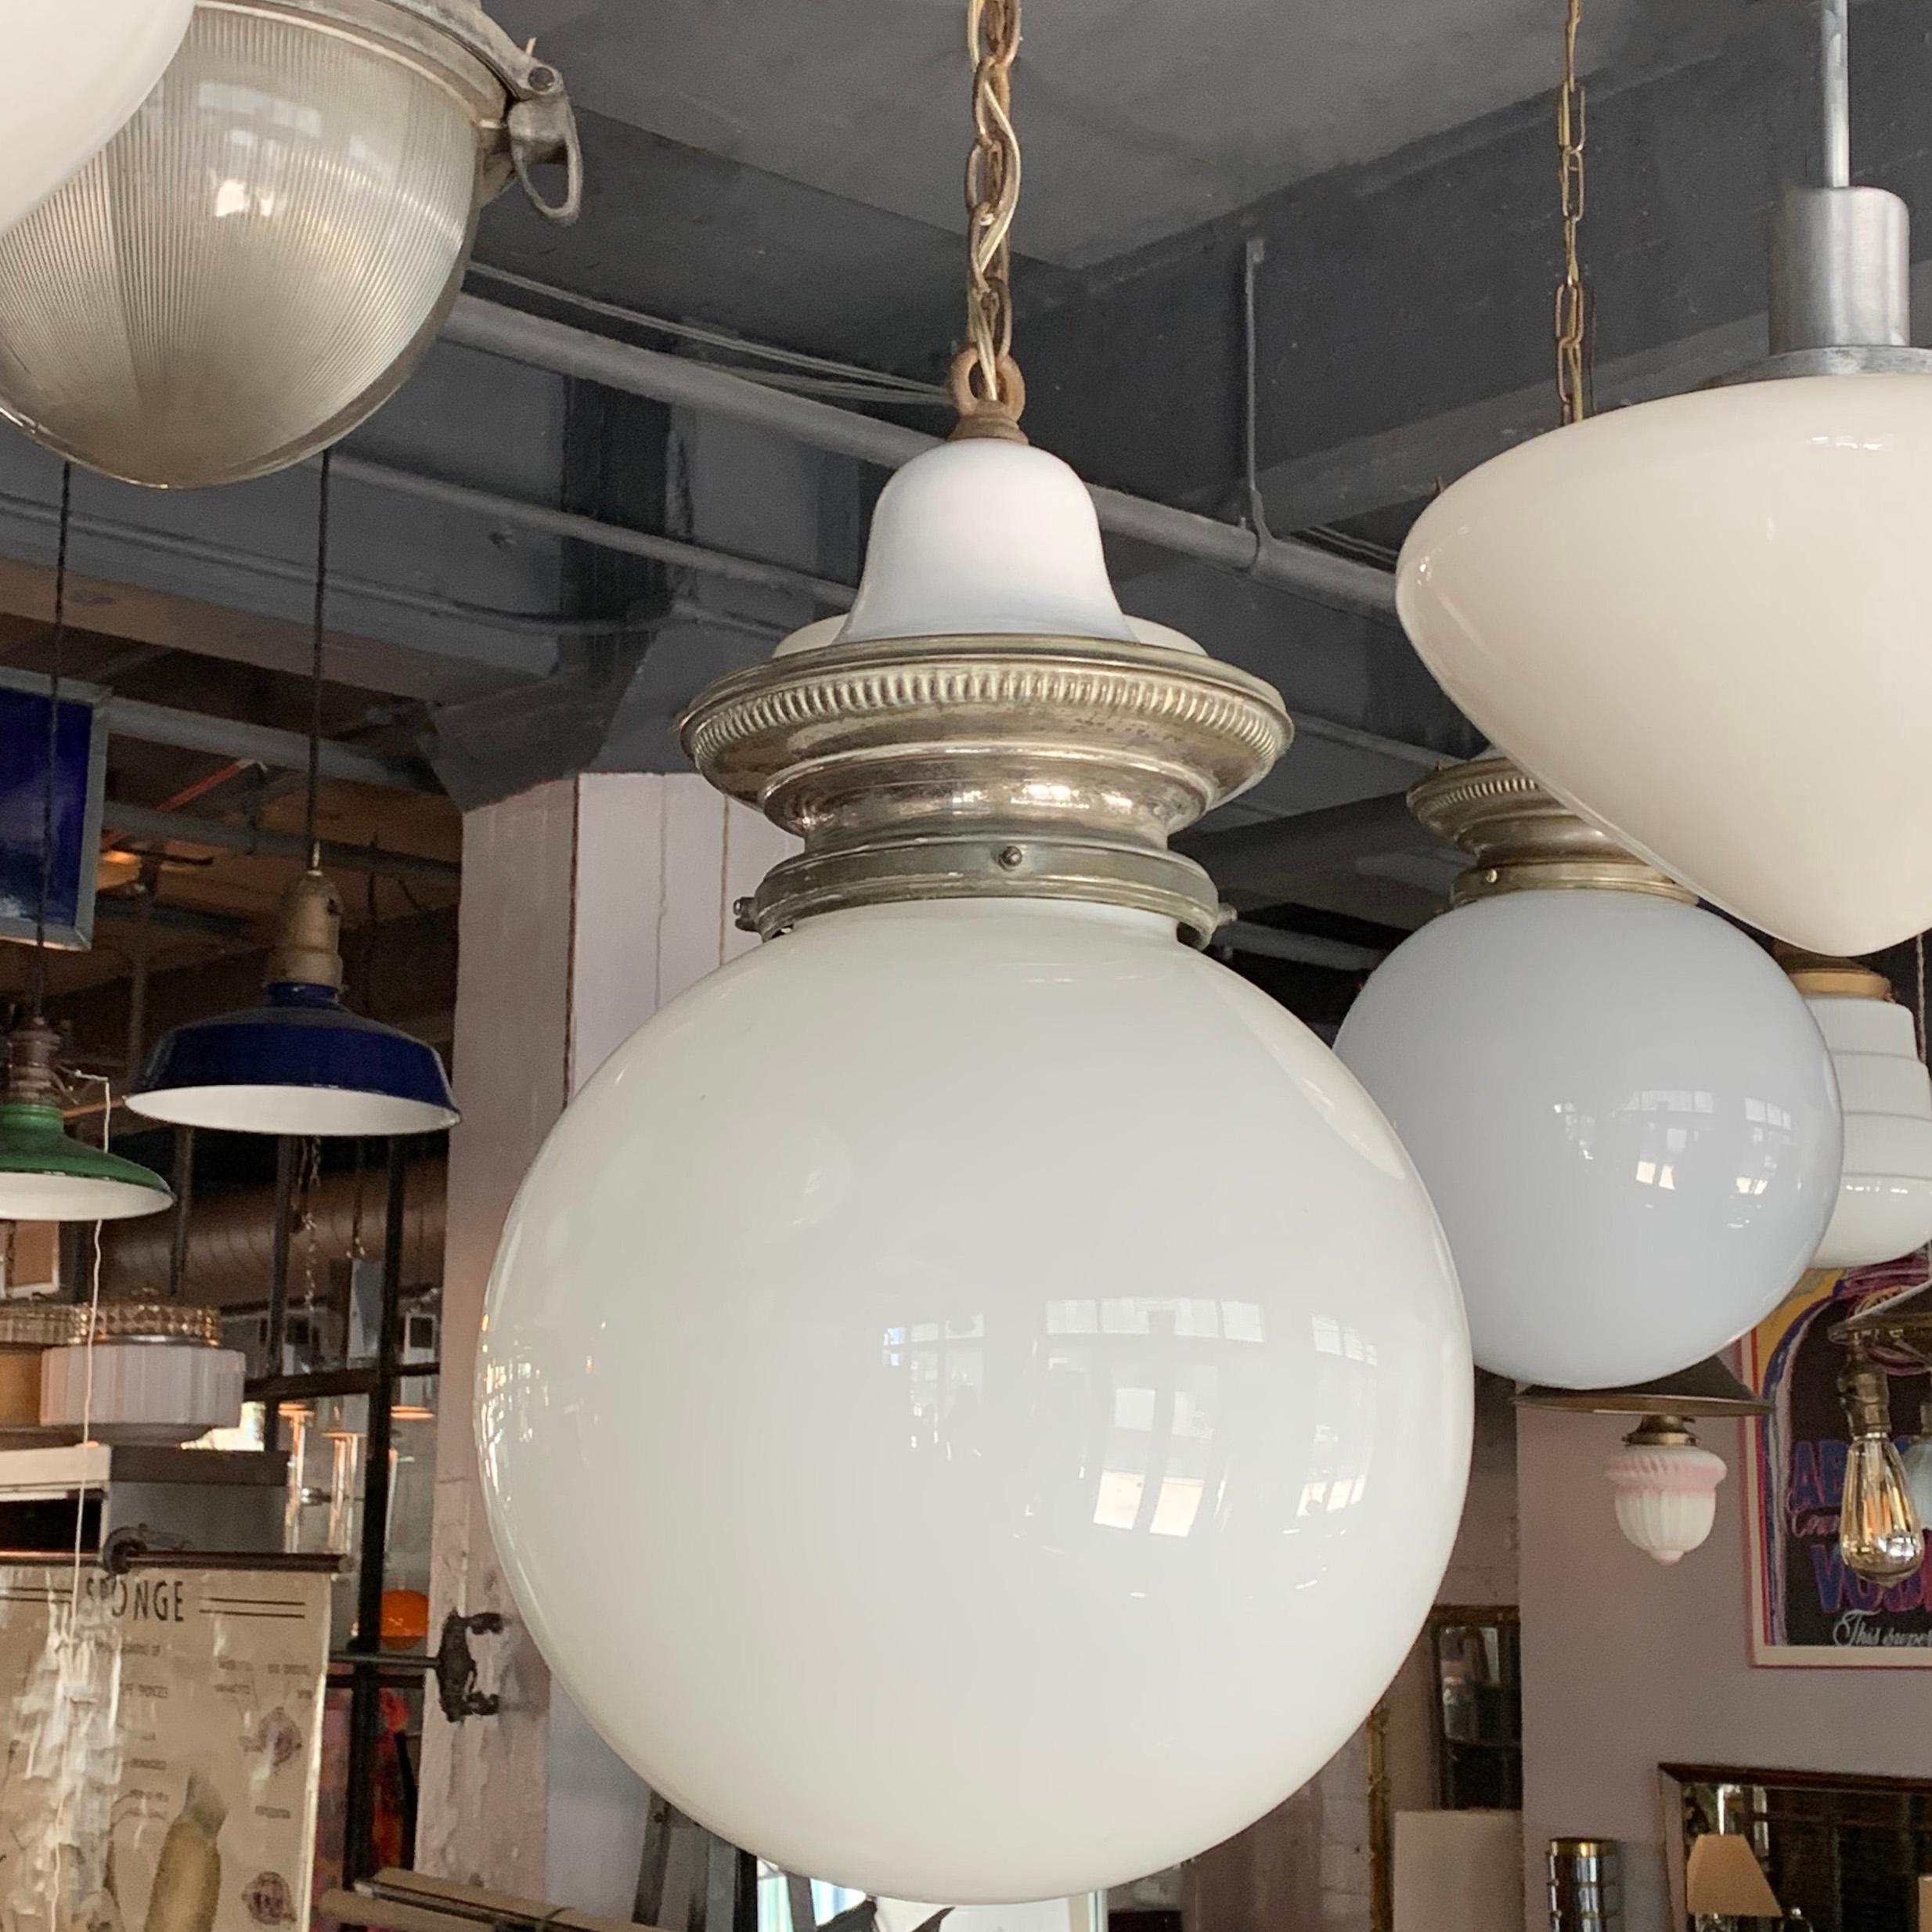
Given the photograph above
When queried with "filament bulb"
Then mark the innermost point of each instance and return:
(1879, 1532)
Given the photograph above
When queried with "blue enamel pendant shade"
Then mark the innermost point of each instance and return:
(299, 1063)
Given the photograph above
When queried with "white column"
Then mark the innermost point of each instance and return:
(586, 904)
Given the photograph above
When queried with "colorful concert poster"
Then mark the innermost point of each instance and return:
(1807, 1608)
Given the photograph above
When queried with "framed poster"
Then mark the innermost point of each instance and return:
(80, 786)
(162, 1736)
(1807, 1609)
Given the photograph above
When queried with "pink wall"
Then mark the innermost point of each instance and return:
(1627, 1664)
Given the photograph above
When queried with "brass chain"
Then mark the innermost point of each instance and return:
(1572, 298)
(986, 385)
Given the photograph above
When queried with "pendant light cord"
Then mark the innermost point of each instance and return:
(1573, 303)
(43, 890)
(318, 630)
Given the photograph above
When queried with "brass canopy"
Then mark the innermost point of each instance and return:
(986, 767)
(1524, 839)
(1706, 1389)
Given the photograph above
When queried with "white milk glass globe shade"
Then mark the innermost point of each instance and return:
(79, 68)
(1625, 1117)
(1885, 1192)
(973, 1401)
(1691, 621)
(253, 264)
(1665, 1496)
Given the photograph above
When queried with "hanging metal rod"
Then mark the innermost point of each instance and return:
(141, 821)
(1279, 562)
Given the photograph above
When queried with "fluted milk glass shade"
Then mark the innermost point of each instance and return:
(79, 69)
(1031, 1369)
(1885, 1193)
(1666, 1495)
(1625, 1117)
(1688, 620)
(251, 266)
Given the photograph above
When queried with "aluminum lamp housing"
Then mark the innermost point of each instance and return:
(1041, 1300)
(255, 262)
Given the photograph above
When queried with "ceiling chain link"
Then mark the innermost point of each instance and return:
(986, 380)
(1572, 298)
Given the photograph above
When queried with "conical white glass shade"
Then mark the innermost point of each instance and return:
(1698, 622)
(986, 538)
(77, 69)
(251, 266)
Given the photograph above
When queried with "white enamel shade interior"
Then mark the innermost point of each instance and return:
(77, 1198)
(1013, 1339)
(327, 1111)
(1700, 622)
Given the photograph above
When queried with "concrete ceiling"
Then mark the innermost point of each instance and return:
(1141, 118)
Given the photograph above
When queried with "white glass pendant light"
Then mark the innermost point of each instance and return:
(1025, 1364)
(1666, 1488)
(1663, 1483)
(257, 259)
(1885, 1194)
(80, 68)
(1665, 612)
(1625, 1114)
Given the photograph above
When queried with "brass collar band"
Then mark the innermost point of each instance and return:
(1523, 839)
(1819, 977)
(986, 767)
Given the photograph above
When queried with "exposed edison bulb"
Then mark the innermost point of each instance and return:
(1879, 1533)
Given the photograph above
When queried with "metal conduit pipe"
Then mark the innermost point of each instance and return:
(609, 536)
(676, 379)
(262, 745)
(1304, 949)
(187, 828)
(230, 1237)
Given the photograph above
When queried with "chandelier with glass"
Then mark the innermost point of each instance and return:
(254, 263)
(1011, 1336)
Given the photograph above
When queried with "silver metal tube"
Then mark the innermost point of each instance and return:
(675, 380)
(264, 745)
(1834, 75)
(186, 828)
(609, 536)
(1305, 949)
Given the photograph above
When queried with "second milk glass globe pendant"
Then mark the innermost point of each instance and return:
(974, 1403)
(1625, 1114)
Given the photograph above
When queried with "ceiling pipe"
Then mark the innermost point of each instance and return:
(1279, 562)
(230, 1255)
(609, 536)
(186, 828)
(261, 744)
(1302, 949)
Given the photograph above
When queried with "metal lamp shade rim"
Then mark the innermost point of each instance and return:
(300, 1064)
(46, 1175)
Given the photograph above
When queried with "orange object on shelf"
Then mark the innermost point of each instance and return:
(404, 1620)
